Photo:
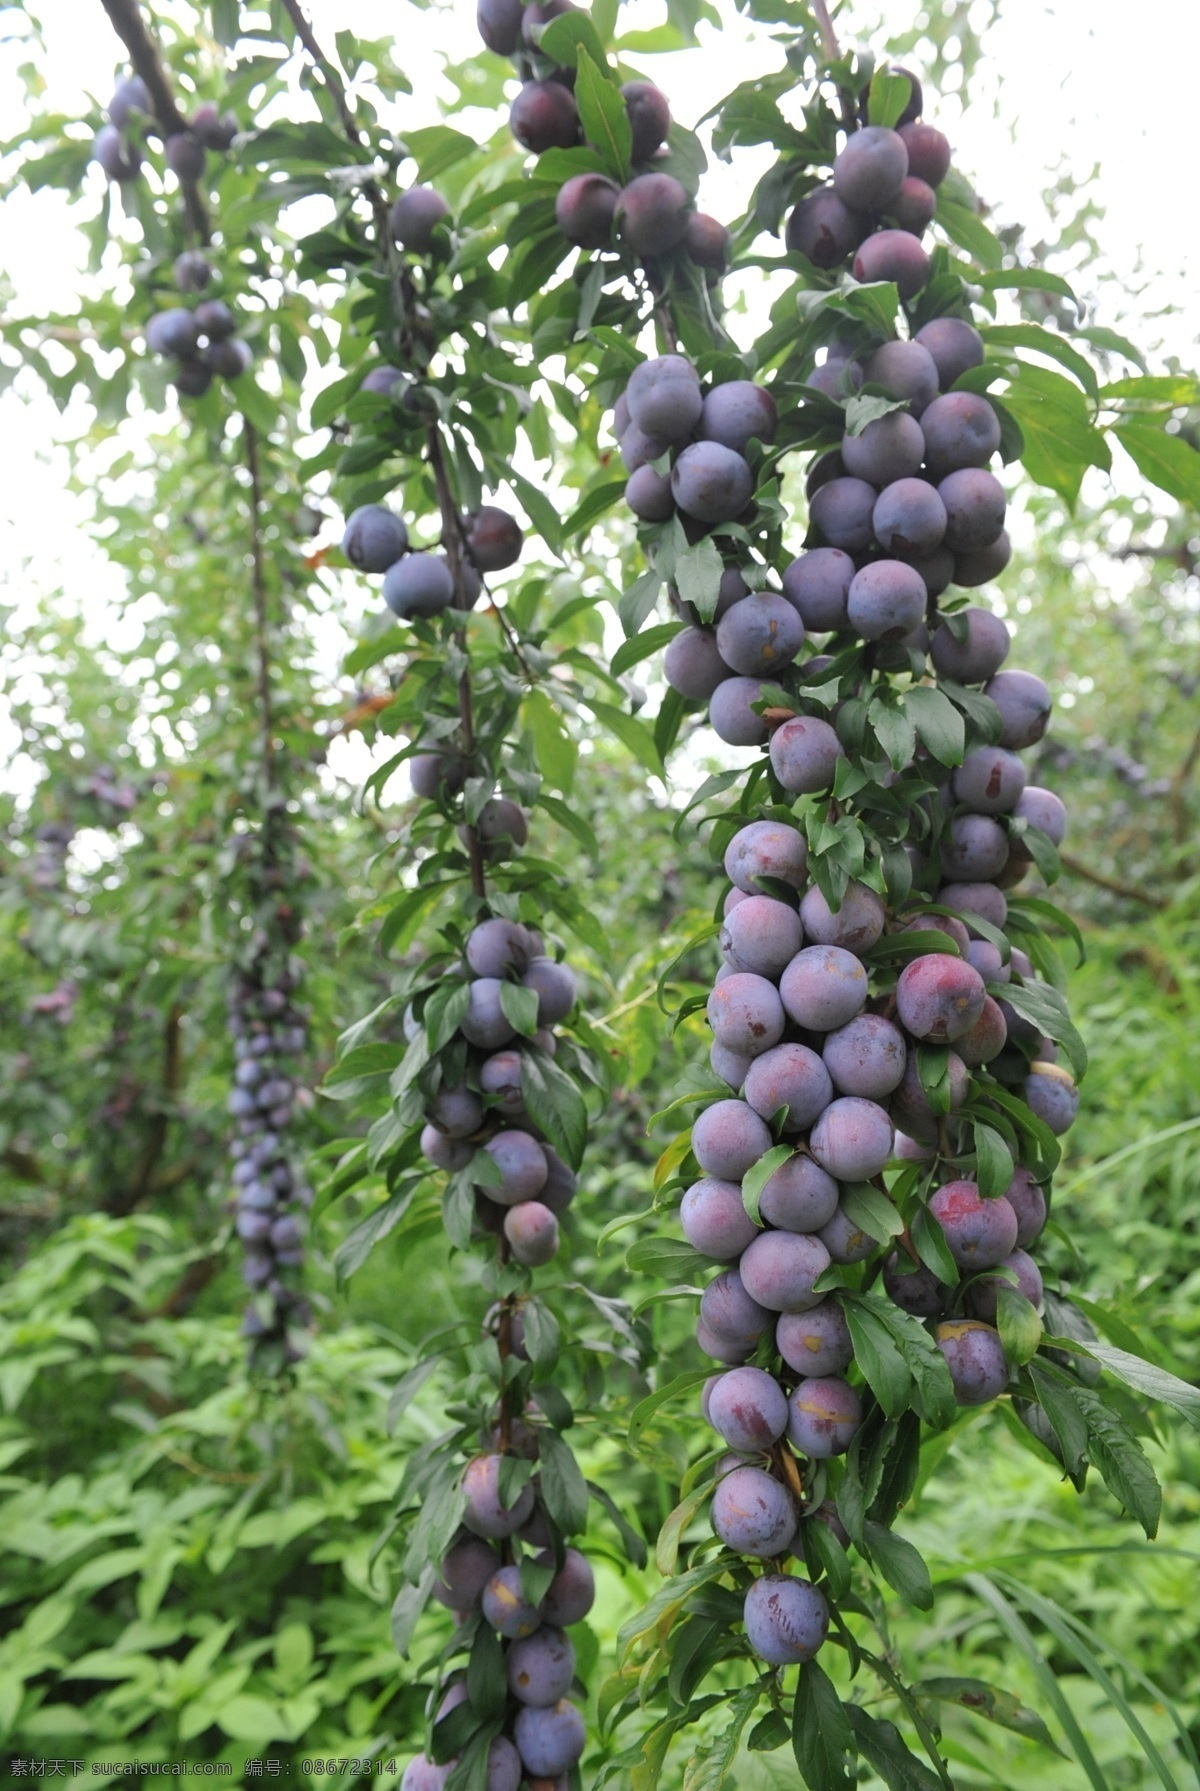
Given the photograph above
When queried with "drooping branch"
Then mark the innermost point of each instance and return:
(258, 587)
(129, 25)
(1129, 892)
(333, 81)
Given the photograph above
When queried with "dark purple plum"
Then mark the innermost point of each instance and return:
(913, 1287)
(652, 214)
(421, 1774)
(456, 1111)
(638, 449)
(893, 255)
(928, 152)
(493, 538)
(748, 1408)
(823, 229)
(975, 1357)
(501, 829)
(841, 511)
(939, 997)
(986, 1039)
(692, 664)
(192, 271)
(451, 1154)
(129, 96)
(728, 1138)
(980, 1233)
(868, 172)
(824, 1414)
(731, 715)
(975, 508)
(729, 1313)
(904, 370)
(975, 849)
(561, 1182)
(786, 1619)
(486, 1513)
(804, 756)
(1028, 1202)
(817, 584)
(663, 395)
(419, 585)
(1051, 1092)
(217, 322)
(989, 780)
(730, 1066)
(857, 925)
(120, 158)
(649, 116)
(866, 1057)
(746, 1014)
(544, 116)
(506, 1608)
(712, 483)
(799, 1196)
(823, 987)
(761, 635)
(522, 1164)
(707, 242)
(500, 1075)
(983, 899)
(173, 332)
(648, 495)
(494, 946)
(936, 568)
(484, 1023)
(465, 1570)
(890, 448)
(979, 656)
(415, 217)
(1041, 808)
(914, 207)
(585, 209)
(532, 1233)
(909, 520)
(816, 1343)
(955, 346)
(556, 987)
(714, 1220)
(983, 1295)
(499, 23)
(1024, 704)
(185, 156)
(779, 1267)
(766, 849)
(961, 429)
(790, 1076)
(845, 1239)
(541, 1667)
(979, 565)
(852, 1140)
(375, 538)
(571, 1593)
(838, 377)
(754, 1514)
(987, 960)
(887, 600)
(761, 936)
(737, 413)
(550, 1742)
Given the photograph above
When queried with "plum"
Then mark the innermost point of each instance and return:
(638, 449)
(852, 1140)
(1024, 704)
(504, 1771)
(120, 158)
(541, 1667)
(823, 987)
(928, 154)
(415, 216)
(648, 495)
(506, 1608)
(693, 664)
(419, 585)
(663, 395)
(939, 997)
(778, 1269)
(961, 429)
(484, 1024)
(754, 1514)
(556, 988)
(856, 926)
(649, 117)
(532, 1233)
(1051, 1093)
(913, 1287)
(711, 482)
(746, 1013)
(816, 1342)
(728, 1138)
(983, 1295)
(824, 1414)
(549, 1741)
(173, 332)
(544, 116)
(497, 945)
(421, 1774)
(571, 1593)
(978, 657)
(456, 1111)
(129, 96)
(914, 207)
(499, 23)
(451, 1154)
(714, 1220)
(192, 271)
(375, 538)
(585, 210)
(986, 1039)
(707, 242)
(730, 1066)
(185, 155)
(845, 1239)
(486, 1513)
(729, 1313)
(737, 413)
(652, 213)
(936, 568)
(865, 1057)
(892, 447)
(869, 170)
(522, 1164)
(841, 511)
(748, 1408)
(493, 538)
(980, 1233)
(465, 1570)
(216, 321)
(975, 1357)
(786, 1619)
(974, 849)
(731, 716)
(790, 1076)
(761, 936)
(766, 849)
(799, 1196)
(975, 507)
(909, 519)
(910, 1107)
(1028, 1202)
(804, 753)
(893, 255)
(989, 780)
(817, 585)
(823, 229)
(905, 370)
(886, 601)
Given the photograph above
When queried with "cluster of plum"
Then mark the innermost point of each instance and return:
(202, 341)
(52, 844)
(269, 1031)
(880, 201)
(652, 215)
(422, 584)
(510, 1570)
(117, 146)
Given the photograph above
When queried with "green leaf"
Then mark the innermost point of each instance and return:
(937, 721)
(989, 1702)
(993, 1160)
(519, 1006)
(1046, 1007)
(875, 1352)
(1056, 1396)
(933, 1395)
(556, 752)
(641, 646)
(563, 1486)
(593, 504)
(712, 1763)
(757, 1177)
(929, 1242)
(564, 37)
(654, 1402)
(358, 1244)
(1175, 389)
(1027, 279)
(698, 571)
(1148, 1378)
(894, 728)
(637, 602)
(900, 1564)
(554, 1102)
(1019, 1326)
(539, 509)
(665, 1256)
(605, 120)
(871, 1211)
(633, 734)
(1121, 1460)
(1060, 439)
(887, 96)
(1166, 460)
(667, 1548)
(821, 1733)
(881, 1744)
(966, 228)
(1043, 341)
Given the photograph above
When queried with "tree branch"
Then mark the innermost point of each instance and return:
(333, 81)
(129, 25)
(258, 586)
(1129, 892)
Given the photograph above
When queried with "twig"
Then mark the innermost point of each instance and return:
(833, 53)
(258, 586)
(1129, 892)
(1178, 783)
(329, 74)
(121, 1202)
(129, 25)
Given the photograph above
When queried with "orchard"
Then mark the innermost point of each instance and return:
(599, 1138)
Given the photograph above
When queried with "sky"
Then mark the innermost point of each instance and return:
(1062, 82)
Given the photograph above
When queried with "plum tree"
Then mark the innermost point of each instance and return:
(786, 1619)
